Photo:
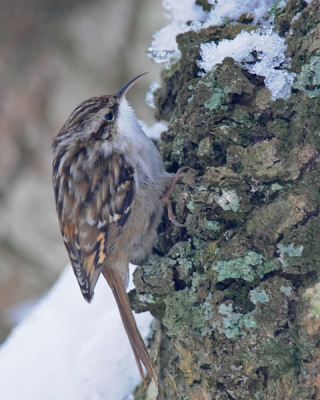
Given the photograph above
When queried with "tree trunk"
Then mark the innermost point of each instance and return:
(236, 292)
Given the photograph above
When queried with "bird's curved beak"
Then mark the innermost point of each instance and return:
(122, 92)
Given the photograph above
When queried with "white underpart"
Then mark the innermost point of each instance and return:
(69, 349)
(128, 124)
(136, 146)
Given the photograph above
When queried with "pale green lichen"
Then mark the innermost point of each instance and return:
(215, 100)
(201, 82)
(190, 205)
(201, 188)
(197, 281)
(184, 314)
(232, 325)
(182, 254)
(185, 265)
(146, 298)
(173, 67)
(213, 225)
(276, 186)
(315, 311)
(286, 290)
(308, 80)
(152, 391)
(258, 296)
(275, 7)
(181, 249)
(207, 309)
(228, 200)
(210, 78)
(313, 295)
(249, 267)
(290, 251)
(224, 128)
(190, 99)
(240, 116)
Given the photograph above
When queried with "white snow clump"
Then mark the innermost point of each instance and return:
(154, 131)
(185, 15)
(270, 49)
(164, 48)
(150, 94)
(233, 9)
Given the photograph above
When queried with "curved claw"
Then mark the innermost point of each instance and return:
(171, 215)
(165, 197)
(177, 223)
(176, 178)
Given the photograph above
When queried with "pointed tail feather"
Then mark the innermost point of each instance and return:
(139, 348)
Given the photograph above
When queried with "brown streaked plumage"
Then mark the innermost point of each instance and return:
(109, 184)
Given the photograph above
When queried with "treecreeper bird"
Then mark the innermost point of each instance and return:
(109, 183)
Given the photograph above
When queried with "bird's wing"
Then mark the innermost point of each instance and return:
(90, 233)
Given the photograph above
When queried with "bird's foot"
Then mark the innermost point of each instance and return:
(165, 197)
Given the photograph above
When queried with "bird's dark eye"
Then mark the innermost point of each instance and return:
(109, 116)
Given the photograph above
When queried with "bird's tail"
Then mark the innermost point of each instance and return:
(139, 348)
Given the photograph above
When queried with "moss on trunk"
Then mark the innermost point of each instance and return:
(237, 291)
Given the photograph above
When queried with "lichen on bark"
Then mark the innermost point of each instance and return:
(236, 291)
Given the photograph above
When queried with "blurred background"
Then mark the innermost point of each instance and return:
(53, 55)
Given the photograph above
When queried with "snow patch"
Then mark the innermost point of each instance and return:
(233, 9)
(164, 48)
(258, 52)
(154, 131)
(150, 94)
(68, 349)
(185, 15)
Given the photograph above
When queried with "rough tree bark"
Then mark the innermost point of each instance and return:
(237, 292)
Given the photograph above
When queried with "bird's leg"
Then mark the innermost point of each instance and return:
(165, 197)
